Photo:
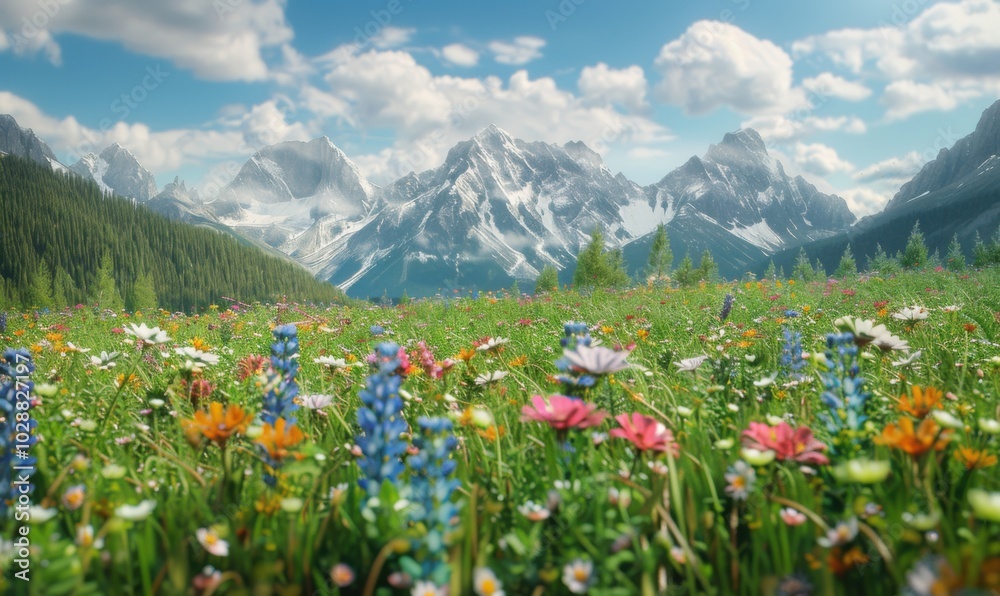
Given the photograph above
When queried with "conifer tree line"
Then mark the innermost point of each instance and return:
(602, 268)
(63, 243)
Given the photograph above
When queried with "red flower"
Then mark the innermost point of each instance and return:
(788, 444)
(562, 412)
(647, 434)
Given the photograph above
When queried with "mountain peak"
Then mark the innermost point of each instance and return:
(493, 133)
(956, 164)
(746, 138)
(23, 142)
(583, 154)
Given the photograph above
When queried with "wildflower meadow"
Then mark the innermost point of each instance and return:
(755, 437)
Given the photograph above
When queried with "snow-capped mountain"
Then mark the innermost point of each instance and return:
(954, 195)
(290, 193)
(117, 171)
(741, 188)
(176, 201)
(498, 209)
(971, 156)
(23, 142)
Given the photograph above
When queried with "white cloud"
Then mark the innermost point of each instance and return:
(944, 56)
(522, 50)
(955, 39)
(904, 98)
(865, 201)
(429, 114)
(603, 84)
(647, 153)
(715, 64)
(852, 48)
(830, 85)
(894, 171)
(392, 37)
(222, 40)
(237, 136)
(460, 55)
(820, 159)
(799, 126)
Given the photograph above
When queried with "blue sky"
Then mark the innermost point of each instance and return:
(854, 95)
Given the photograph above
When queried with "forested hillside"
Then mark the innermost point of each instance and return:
(63, 242)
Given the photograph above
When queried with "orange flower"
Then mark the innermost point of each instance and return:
(642, 334)
(923, 401)
(969, 327)
(841, 562)
(466, 354)
(199, 344)
(520, 360)
(492, 433)
(917, 441)
(278, 438)
(975, 459)
(216, 424)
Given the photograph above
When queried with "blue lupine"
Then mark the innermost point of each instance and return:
(279, 401)
(575, 333)
(727, 307)
(377, 330)
(430, 493)
(791, 314)
(843, 393)
(791, 354)
(3, 322)
(16, 436)
(381, 421)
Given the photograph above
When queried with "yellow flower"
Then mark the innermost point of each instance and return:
(199, 344)
(921, 403)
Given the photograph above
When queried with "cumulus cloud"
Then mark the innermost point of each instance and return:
(865, 201)
(905, 98)
(237, 136)
(820, 159)
(460, 54)
(215, 40)
(522, 50)
(715, 64)
(795, 126)
(895, 170)
(944, 56)
(429, 114)
(603, 84)
(830, 85)
(392, 37)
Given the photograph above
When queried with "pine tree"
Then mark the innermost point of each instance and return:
(994, 249)
(771, 272)
(685, 273)
(882, 263)
(596, 268)
(803, 270)
(660, 256)
(980, 252)
(955, 259)
(63, 289)
(708, 271)
(848, 267)
(915, 254)
(105, 293)
(548, 280)
(40, 291)
(142, 295)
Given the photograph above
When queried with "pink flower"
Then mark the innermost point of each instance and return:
(562, 412)
(791, 517)
(788, 444)
(647, 434)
